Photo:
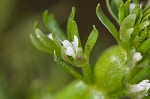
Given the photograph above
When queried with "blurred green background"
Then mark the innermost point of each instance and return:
(27, 73)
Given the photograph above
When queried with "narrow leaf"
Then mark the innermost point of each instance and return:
(107, 23)
(73, 28)
(113, 7)
(121, 13)
(56, 40)
(40, 46)
(52, 25)
(70, 19)
(91, 42)
(126, 24)
(127, 5)
(145, 46)
(144, 24)
(143, 74)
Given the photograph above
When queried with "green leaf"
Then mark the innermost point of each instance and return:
(91, 42)
(40, 46)
(126, 24)
(146, 14)
(45, 40)
(138, 11)
(144, 73)
(143, 34)
(136, 42)
(121, 13)
(145, 46)
(56, 40)
(73, 28)
(113, 7)
(107, 23)
(136, 31)
(124, 11)
(144, 24)
(52, 25)
(66, 67)
(135, 1)
(126, 7)
(71, 18)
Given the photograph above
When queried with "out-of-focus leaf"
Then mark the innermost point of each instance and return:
(40, 46)
(126, 7)
(52, 25)
(136, 42)
(91, 42)
(145, 46)
(144, 24)
(80, 90)
(144, 73)
(107, 23)
(121, 13)
(147, 5)
(126, 24)
(113, 7)
(146, 14)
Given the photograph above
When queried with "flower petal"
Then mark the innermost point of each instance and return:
(75, 43)
(70, 52)
(67, 44)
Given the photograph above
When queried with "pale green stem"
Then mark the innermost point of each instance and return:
(87, 73)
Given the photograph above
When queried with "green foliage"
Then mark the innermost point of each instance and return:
(78, 89)
(118, 68)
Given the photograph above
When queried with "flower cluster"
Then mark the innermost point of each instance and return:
(140, 90)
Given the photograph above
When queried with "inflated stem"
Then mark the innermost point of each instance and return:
(106, 22)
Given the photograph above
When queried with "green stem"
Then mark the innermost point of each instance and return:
(87, 73)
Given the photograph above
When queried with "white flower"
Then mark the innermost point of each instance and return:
(71, 47)
(50, 36)
(137, 56)
(142, 86)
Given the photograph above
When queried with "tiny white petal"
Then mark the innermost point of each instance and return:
(144, 82)
(136, 88)
(142, 86)
(50, 36)
(71, 48)
(70, 52)
(137, 56)
(75, 43)
(67, 44)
